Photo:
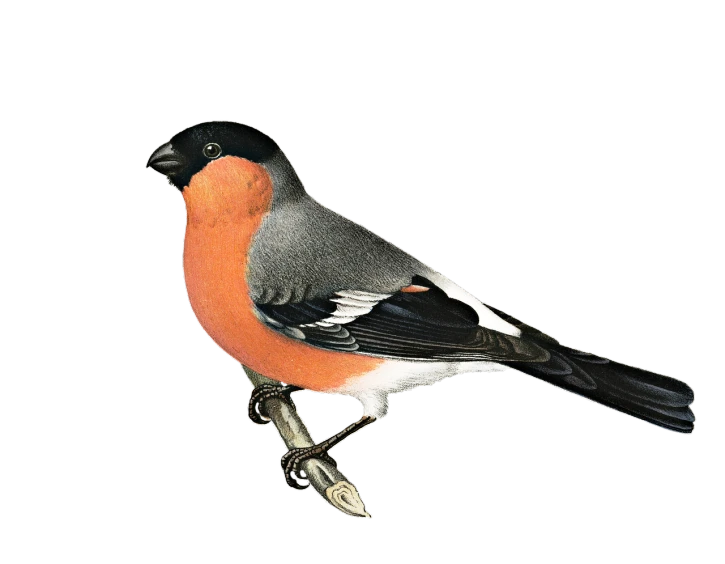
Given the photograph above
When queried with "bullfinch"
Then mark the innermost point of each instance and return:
(308, 298)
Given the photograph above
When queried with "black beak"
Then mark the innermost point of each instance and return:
(165, 160)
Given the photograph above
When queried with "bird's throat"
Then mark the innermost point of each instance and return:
(229, 190)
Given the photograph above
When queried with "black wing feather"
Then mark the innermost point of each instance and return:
(418, 326)
(298, 313)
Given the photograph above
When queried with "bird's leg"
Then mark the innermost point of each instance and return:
(263, 392)
(292, 461)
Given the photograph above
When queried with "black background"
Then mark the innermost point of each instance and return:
(580, 222)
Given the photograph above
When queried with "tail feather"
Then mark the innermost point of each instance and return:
(658, 399)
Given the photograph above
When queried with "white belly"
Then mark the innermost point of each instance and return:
(392, 376)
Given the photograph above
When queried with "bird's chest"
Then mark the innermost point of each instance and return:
(215, 268)
(215, 261)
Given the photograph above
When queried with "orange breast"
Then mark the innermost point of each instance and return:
(226, 203)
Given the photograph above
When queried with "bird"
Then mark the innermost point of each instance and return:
(314, 301)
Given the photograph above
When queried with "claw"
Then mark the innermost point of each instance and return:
(256, 415)
(257, 412)
(292, 464)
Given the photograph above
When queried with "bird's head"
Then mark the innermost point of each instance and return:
(227, 163)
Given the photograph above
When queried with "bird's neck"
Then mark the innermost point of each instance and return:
(287, 185)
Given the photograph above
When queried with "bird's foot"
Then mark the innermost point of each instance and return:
(263, 392)
(292, 463)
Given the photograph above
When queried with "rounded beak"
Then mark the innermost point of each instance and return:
(165, 160)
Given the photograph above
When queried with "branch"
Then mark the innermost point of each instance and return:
(324, 477)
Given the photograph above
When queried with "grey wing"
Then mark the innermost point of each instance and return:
(305, 251)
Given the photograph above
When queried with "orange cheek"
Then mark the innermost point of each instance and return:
(228, 189)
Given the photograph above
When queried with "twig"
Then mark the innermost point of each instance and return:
(324, 477)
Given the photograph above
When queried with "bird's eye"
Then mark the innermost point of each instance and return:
(212, 150)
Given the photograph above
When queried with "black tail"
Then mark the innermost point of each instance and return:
(658, 399)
